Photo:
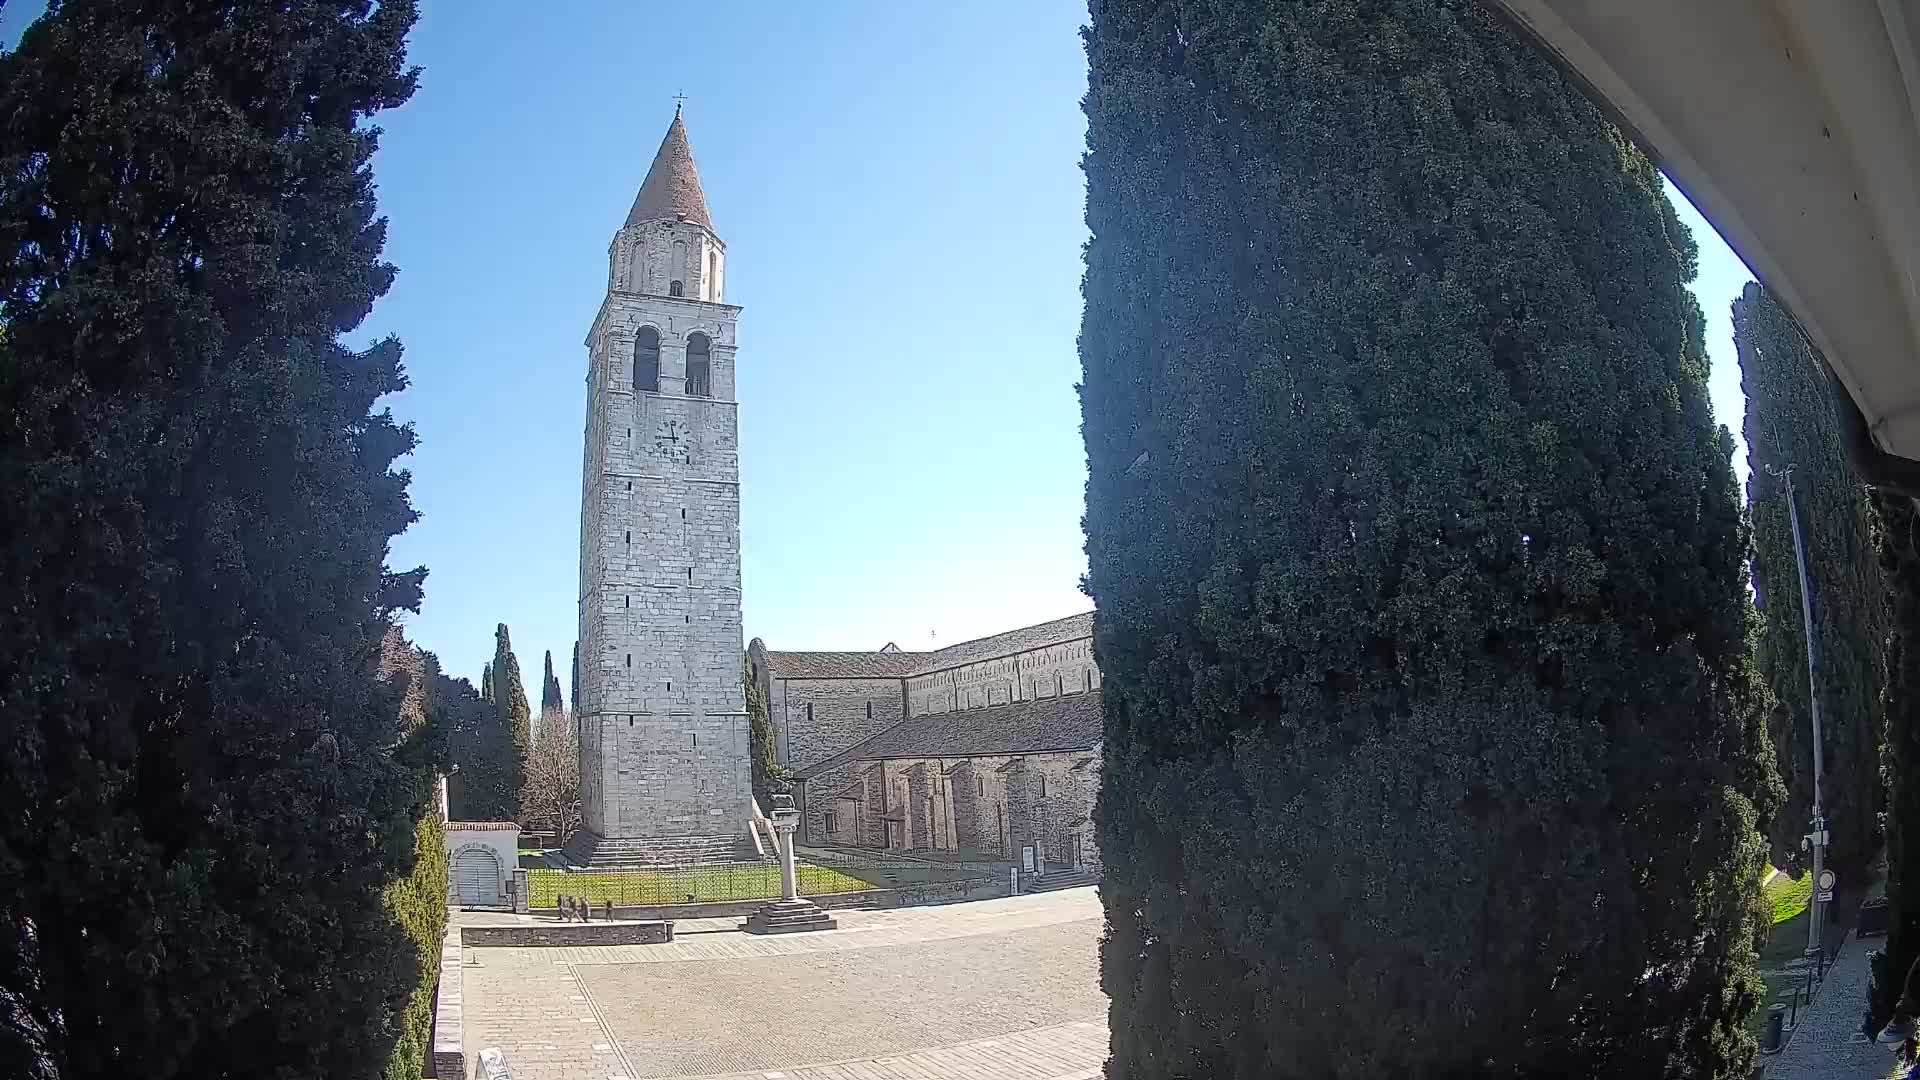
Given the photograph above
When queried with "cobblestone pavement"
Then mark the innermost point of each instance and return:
(1828, 1044)
(999, 989)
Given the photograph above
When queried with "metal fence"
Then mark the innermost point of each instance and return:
(905, 883)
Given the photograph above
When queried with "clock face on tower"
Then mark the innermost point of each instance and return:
(671, 442)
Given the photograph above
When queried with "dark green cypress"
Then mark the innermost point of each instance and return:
(510, 699)
(551, 703)
(203, 792)
(486, 682)
(1791, 423)
(1418, 560)
(767, 776)
(1899, 537)
(483, 786)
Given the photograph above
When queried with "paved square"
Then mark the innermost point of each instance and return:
(1000, 989)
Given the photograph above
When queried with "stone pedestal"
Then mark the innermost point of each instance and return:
(789, 917)
(792, 913)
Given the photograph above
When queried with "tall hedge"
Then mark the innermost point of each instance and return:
(1790, 422)
(1430, 743)
(1900, 559)
(417, 903)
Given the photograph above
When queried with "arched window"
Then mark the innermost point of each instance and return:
(676, 288)
(699, 366)
(646, 360)
(713, 276)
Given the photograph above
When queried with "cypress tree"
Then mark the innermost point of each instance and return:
(1791, 423)
(482, 786)
(1899, 537)
(1430, 747)
(573, 684)
(486, 683)
(767, 776)
(550, 700)
(510, 699)
(203, 794)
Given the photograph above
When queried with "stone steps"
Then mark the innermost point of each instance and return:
(789, 917)
(1055, 880)
(588, 851)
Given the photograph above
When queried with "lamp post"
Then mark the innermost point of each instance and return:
(1816, 840)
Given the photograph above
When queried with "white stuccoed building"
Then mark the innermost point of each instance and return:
(663, 725)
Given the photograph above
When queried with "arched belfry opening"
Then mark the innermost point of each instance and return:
(646, 361)
(699, 366)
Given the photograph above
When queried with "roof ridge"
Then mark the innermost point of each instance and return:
(1004, 633)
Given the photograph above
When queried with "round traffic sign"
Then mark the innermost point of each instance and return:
(1826, 880)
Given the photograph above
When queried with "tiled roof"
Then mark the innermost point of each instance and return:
(1070, 722)
(842, 665)
(671, 190)
(479, 826)
(891, 663)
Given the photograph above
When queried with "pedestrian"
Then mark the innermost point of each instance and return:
(1899, 1031)
(609, 909)
(566, 907)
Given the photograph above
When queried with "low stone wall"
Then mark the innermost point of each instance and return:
(449, 1021)
(732, 909)
(652, 932)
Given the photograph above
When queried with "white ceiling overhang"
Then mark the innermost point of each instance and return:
(1791, 125)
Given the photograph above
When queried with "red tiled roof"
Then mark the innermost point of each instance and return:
(671, 191)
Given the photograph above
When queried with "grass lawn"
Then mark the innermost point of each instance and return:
(707, 884)
(1788, 899)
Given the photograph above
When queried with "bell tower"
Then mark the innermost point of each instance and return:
(664, 774)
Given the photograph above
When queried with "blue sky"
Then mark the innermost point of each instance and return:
(899, 189)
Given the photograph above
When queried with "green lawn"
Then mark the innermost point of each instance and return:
(1789, 897)
(1788, 900)
(705, 884)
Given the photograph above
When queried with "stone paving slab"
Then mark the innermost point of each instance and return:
(1001, 989)
(1828, 1044)
(1066, 1052)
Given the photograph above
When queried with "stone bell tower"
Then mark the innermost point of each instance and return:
(664, 774)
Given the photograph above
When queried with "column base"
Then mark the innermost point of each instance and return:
(789, 917)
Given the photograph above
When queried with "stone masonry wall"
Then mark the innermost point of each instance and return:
(1067, 667)
(815, 719)
(646, 258)
(991, 805)
(980, 805)
(664, 734)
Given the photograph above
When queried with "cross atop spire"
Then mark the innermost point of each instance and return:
(679, 100)
(671, 191)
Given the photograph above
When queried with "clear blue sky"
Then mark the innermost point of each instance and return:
(899, 189)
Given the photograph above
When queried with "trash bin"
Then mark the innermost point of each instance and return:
(1773, 1035)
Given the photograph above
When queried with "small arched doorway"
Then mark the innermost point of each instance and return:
(476, 875)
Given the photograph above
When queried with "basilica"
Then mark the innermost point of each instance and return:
(989, 746)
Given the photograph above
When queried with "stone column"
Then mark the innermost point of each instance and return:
(791, 913)
(784, 822)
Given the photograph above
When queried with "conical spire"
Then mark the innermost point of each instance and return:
(671, 191)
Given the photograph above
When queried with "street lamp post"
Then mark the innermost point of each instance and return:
(1816, 840)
